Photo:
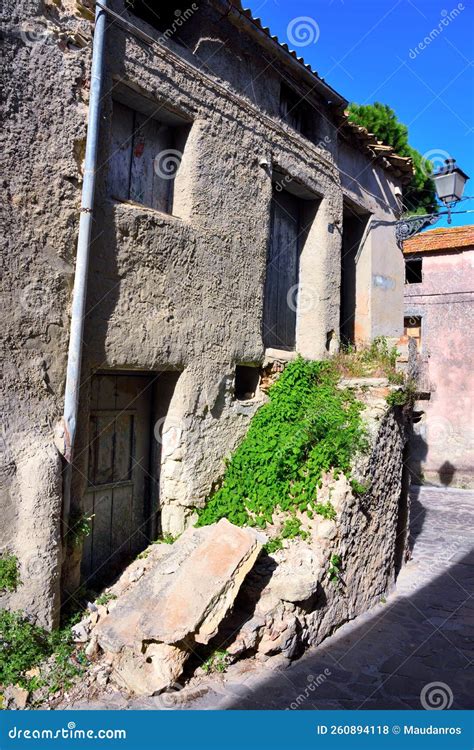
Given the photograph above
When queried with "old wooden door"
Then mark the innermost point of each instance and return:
(118, 469)
(281, 284)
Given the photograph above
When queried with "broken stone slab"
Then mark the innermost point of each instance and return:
(189, 602)
(119, 628)
(204, 588)
(179, 602)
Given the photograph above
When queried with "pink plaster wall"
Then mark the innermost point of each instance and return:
(443, 443)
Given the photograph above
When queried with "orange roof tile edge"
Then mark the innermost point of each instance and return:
(448, 238)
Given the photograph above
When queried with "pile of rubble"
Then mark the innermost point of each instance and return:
(167, 604)
(217, 588)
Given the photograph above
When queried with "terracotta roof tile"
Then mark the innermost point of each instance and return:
(448, 238)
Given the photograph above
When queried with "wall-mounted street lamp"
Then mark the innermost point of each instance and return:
(449, 182)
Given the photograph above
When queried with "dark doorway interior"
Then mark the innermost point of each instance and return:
(122, 495)
(293, 211)
(353, 228)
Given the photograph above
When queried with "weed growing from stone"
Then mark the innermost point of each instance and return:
(81, 526)
(9, 573)
(24, 646)
(358, 488)
(166, 539)
(375, 359)
(105, 598)
(403, 396)
(216, 662)
(335, 568)
(308, 427)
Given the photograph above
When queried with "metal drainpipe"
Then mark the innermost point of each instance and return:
(71, 396)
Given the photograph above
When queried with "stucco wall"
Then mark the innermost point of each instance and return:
(46, 77)
(379, 261)
(443, 442)
(164, 292)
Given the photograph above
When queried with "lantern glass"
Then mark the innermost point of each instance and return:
(449, 183)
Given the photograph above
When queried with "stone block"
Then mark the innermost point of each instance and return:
(204, 588)
(149, 672)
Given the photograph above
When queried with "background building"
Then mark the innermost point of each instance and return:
(439, 314)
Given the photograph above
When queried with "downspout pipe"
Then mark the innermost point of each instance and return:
(73, 374)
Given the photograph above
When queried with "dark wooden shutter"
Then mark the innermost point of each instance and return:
(150, 140)
(137, 140)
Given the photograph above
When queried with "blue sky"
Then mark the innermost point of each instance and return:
(368, 50)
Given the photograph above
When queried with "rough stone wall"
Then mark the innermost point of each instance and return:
(442, 445)
(165, 292)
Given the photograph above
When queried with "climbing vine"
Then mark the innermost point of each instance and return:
(308, 427)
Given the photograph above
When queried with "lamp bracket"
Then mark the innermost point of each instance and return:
(406, 228)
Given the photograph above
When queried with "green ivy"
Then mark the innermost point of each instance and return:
(308, 427)
(273, 545)
(325, 510)
(292, 529)
(9, 573)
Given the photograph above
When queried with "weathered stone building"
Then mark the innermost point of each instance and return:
(237, 212)
(439, 315)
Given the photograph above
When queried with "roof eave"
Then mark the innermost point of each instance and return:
(243, 18)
